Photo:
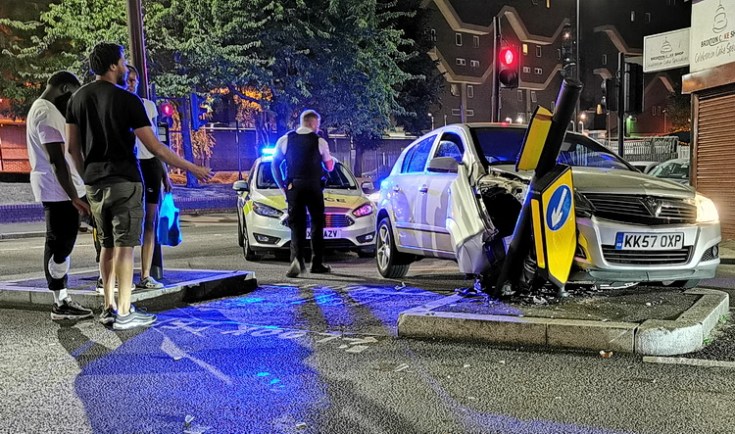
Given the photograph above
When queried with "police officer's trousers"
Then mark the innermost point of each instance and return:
(303, 195)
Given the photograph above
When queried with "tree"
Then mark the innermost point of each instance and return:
(679, 111)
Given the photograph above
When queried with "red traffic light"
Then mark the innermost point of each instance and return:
(167, 109)
(507, 56)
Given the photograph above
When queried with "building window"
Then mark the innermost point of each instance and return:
(520, 95)
(632, 16)
(458, 39)
(538, 51)
(526, 69)
(648, 17)
(538, 71)
(454, 89)
(475, 63)
(533, 96)
(470, 91)
(432, 35)
(553, 105)
(558, 53)
(604, 59)
(456, 112)
(461, 61)
(470, 113)
(476, 41)
(525, 49)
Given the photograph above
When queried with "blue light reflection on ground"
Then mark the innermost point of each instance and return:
(228, 382)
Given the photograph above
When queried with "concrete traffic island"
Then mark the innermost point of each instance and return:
(642, 321)
(180, 287)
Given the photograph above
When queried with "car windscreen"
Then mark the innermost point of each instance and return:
(339, 178)
(675, 169)
(503, 145)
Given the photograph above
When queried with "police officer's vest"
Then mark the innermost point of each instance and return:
(303, 160)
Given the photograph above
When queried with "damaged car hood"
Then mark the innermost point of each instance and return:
(611, 181)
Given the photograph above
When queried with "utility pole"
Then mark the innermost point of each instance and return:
(137, 44)
(495, 114)
(621, 103)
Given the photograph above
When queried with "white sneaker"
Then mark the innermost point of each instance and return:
(58, 271)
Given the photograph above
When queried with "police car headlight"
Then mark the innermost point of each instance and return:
(266, 211)
(706, 210)
(363, 211)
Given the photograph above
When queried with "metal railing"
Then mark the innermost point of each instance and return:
(649, 148)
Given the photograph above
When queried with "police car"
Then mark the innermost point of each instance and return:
(263, 220)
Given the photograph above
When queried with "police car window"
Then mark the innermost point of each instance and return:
(265, 176)
(419, 157)
(450, 146)
(339, 178)
(407, 159)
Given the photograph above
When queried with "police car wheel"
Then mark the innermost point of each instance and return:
(391, 263)
(249, 254)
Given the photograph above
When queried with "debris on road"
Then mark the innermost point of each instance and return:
(606, 354)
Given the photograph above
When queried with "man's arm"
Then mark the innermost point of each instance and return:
(326, 155)
(151, 142)
(61, 168)
(75, 148)
(278, 158)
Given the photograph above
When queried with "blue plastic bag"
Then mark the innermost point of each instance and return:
(169, 230)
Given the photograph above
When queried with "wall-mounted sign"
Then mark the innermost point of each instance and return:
(667, 50)
(712, 39)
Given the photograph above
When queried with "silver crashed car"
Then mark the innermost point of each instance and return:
(631, 227)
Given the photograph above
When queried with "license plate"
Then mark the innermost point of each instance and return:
(328, 233)
(642, 241)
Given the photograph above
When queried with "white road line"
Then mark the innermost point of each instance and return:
(38, 247)
(689, 362)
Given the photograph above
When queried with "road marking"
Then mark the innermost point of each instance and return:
(170, 348)
(689, 362)
(38, 247)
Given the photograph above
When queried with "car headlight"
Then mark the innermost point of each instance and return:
(363, 211)
(266, 211)
(706, 210)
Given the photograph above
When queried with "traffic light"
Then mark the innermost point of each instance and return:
(508, 67)
(610, 93)
(166, 109)
(634, 88)
(198, 112)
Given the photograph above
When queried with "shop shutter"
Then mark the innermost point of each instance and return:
(714, 156)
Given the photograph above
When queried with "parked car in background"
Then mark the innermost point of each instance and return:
(644, 166)
(454, 194)
(676, 170)
(262, 217)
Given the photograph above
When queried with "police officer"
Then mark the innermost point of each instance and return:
(304, 152)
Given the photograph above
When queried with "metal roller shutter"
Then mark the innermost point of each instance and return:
(714, 156)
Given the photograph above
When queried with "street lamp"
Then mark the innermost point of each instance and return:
(432, 120)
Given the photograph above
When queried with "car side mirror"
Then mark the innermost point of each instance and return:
(241, 186)
(367, 186)
(443, 164)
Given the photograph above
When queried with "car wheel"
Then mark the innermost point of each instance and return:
(240, 237)
(391, 263)
(685, 284)
(249, 254)
(366, 253)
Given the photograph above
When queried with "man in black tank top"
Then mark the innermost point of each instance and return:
(304, 152)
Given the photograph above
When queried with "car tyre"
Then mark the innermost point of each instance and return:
(391, 263)
(684, 284)
(249, 253)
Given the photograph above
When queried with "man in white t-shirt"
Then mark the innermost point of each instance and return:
(154, 175)
(57, 184)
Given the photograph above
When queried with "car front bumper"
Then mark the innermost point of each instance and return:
(269, 234)
(598, 261)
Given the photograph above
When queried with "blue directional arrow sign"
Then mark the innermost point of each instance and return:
(559, 208)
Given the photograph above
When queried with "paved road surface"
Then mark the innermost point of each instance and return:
(320, 355)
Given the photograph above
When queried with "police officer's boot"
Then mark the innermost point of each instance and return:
(320, 268)
(295, 269)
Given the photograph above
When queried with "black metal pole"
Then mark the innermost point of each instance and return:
(520, 245)
(237, 140)
(621, 103)
(495, 106)
(137, 44)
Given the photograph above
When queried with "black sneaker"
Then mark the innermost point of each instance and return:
(70, 310)
(107, 317)
(321, 268)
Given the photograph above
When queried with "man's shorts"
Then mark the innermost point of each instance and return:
(118, 213)
(152, 178)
